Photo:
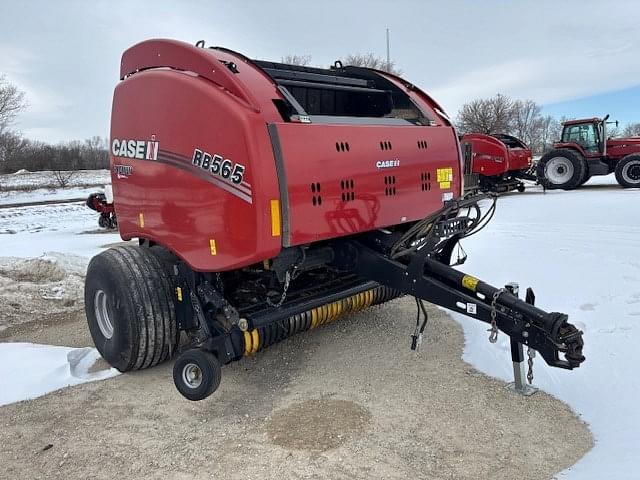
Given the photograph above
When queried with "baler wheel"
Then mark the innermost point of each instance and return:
(628, 171)
(197, 374)
(561, 169)
(129, 307)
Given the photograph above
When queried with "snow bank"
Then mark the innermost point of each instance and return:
(28, 370)
(579, 250)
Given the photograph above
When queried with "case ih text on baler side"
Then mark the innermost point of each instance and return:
(295, 195)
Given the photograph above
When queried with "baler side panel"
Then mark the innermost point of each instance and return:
(490, 156)
(213, 223)
(344, 179)
(519, 159)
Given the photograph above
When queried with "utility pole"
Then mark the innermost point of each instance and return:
(388, 56)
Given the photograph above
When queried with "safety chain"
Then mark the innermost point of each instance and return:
(531, 353)
(287, 280)
(493, 336)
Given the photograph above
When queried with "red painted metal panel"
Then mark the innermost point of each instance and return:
(381, 196)
(183, 206)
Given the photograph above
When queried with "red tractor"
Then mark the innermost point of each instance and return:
(585, 151)
(500, 161)
(270, 199)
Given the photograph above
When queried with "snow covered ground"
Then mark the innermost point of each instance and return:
(44, 251)
(579, 251)
(15, 197)
(31, 180)
(29, 187)
(29, 370)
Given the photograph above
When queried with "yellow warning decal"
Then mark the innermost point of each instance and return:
(444, 177)
(212, 246)
(470, 283)
(179, 293)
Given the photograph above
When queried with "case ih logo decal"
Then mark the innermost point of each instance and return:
(136, 149)
(380, 164)
(217, 165)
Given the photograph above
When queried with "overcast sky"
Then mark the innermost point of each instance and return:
(574, 57)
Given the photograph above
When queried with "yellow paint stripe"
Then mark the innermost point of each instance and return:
(179, 293)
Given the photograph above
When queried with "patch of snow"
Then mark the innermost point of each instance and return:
(29, 370)
(25, 179)
(579, 251)
(14, 197)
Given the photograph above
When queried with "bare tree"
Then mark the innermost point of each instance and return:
(292, 59)
(526, 117)
(631, 130)
(370, 60)
(94, 153)
(490, 115)
(546, 131)
(12, 102)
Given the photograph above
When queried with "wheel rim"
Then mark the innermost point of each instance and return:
(102, 314)
(558, 170)
(631, 172)
(192, 375)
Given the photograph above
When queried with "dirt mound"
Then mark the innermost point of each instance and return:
(39, 288)
(34, 270)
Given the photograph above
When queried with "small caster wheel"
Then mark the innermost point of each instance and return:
(521, 188)
(103, 222)
(197, 374)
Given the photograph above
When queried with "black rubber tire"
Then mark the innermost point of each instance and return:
(103, 222)
(577, 161)
(627, 179)
(586, 178)
(210, 374)
(138, 299)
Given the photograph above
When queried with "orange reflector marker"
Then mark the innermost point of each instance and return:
(212, 246)
(141, 219)
(275, 218)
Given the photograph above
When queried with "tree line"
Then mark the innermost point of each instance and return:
(18, 152)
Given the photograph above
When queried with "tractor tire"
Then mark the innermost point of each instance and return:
(586, 178)
(130, 309)
(197, 374)
(561, 169)
(628, 171)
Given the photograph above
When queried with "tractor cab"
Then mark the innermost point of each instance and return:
(588, 134)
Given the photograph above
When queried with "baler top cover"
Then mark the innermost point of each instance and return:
(225, 160)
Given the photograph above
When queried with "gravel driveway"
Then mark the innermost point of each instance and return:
(349, 400)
